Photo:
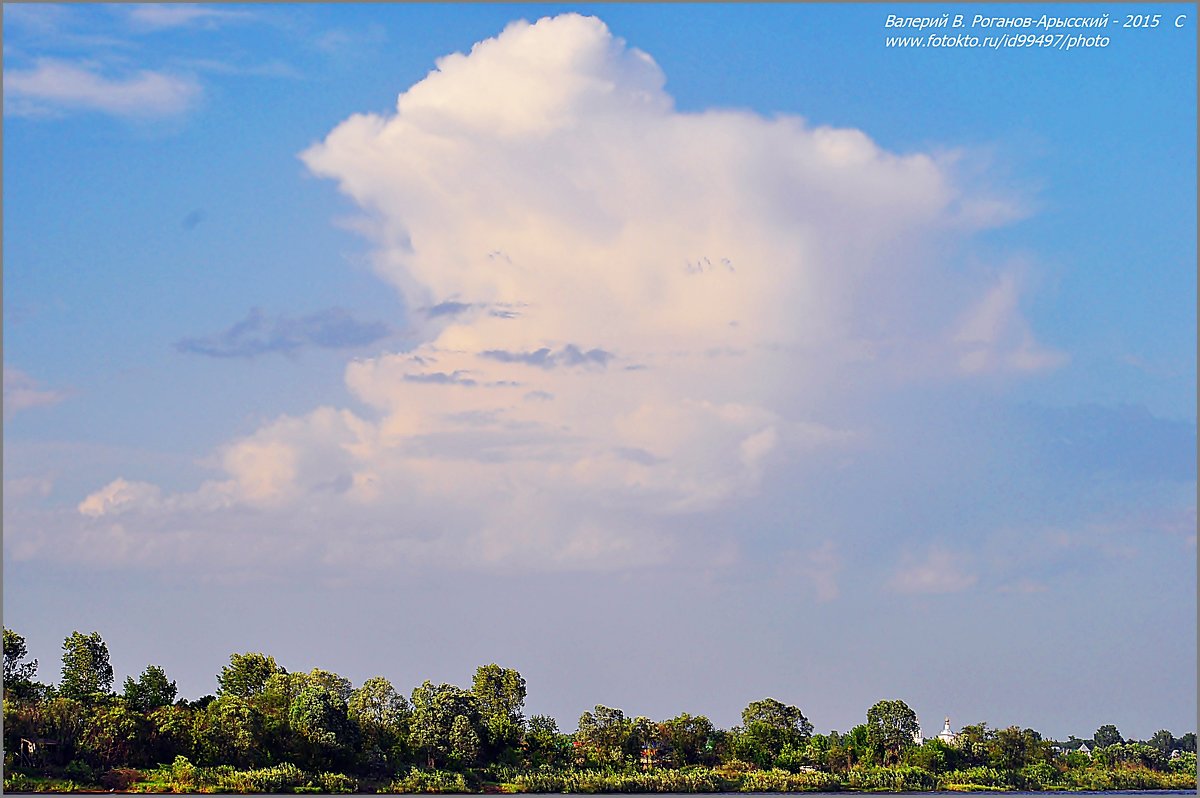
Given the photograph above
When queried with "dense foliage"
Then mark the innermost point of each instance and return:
(268, 730)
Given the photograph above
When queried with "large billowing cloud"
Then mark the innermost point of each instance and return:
(623, 313)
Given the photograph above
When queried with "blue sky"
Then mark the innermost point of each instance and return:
(674, 355)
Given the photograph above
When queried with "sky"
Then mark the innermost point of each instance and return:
(674, 355)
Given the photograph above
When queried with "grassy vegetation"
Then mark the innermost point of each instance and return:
(183, 777)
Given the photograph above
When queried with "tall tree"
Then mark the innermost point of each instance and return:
(464, 741)
(1107, 735)
(86, 671)
(382, 716)
(544, 744)
(18, 675)
(688, 738)
(770, 725)
(150, 691)
(603, 733)
(318, 716)
(974, 742)
(891, 727)
(246, 674)
(1009, 749)
(378, 709)
(1164, 742)
(500, 695)
(435, 710)
(338, 685)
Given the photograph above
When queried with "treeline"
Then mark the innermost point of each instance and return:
(267, 730)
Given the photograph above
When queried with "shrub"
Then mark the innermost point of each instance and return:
(17, 782)
(783, 781)
(284, 777)
(1039, 776)
(894, 779)
(975, 777)
(336, 783)
(428, 781)
(120, 779)
(184, 773)
(80, 771)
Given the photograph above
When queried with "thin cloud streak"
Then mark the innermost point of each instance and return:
(23, 392)
(57, 86)
(258, 334)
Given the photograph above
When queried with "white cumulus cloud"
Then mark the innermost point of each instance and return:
(622, 311)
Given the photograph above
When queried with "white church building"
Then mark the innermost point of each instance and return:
(945, 735)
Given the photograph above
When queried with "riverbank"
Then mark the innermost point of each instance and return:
(184, 778)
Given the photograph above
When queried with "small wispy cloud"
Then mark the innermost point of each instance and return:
(56, 86)
(266, 69)
(22, 392)
(343, 42)
(995, 338)
(259, 335)
(447, 308)
(820, 567)
(569, 355)
(940, 572)
(441, 378)
(161, 16)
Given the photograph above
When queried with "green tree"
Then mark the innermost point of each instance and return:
(1164, 741)
(974, 743)
(382, 716)
(769, 725)
(150, 691)
(1107, 735)
(500, 695)
(643, 735)
(545, 745)
(171, 732)
(338, 685)
(318, 716)
(435, 708)
(230, 731)
(115, 735)
(687, 739)
(858, 744)
(86, 672)
(602, 735)
(246, 674)
(464, 741)
(1188, 742)
(891, 727)
(1008, 750)
(934, 756)
(65, 721)
(18, 675)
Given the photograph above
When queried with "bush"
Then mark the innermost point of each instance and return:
(1184, 763)
(975, 777)
(336, 782)
(284, 777)
(80, 771)
(184, 773)
(428, 781)
(783, 781)
(1039, 776)
(893, 779)
(120, 779)
(1134, 778)
(17, 782)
